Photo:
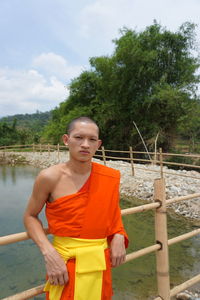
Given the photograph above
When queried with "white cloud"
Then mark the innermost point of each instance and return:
(27, 91)
(54, 64)
(42, 87)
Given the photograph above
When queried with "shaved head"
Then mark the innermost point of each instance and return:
(83, 119)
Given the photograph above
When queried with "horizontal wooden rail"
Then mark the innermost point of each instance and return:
(153, 153)
(118, 151)
(182, 198)
(48, 148)
(165, 172)
(142, 252)
(183, 286)
(110, 150)
(141, 208)
(27, 294)
(14, 146)
(182, 155)
(149, 161)
(183, 237)
(16, 237)
(177, 164)
(181, 175)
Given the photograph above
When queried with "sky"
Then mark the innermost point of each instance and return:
(44, 44)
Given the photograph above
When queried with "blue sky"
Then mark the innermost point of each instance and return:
(46, 43)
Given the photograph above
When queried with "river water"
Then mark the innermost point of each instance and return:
(21, 265)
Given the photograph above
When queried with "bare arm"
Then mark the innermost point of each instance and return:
(55, 265)
(117, 249)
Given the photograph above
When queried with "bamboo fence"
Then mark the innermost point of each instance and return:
(158, 158)
(160, 247)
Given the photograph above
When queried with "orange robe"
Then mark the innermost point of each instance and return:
(91, 213)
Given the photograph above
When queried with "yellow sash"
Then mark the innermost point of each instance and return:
(90, 263)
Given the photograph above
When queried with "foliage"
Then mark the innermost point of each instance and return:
(22, 129)
(150, 79)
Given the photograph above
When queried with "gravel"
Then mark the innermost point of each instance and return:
(140, 185)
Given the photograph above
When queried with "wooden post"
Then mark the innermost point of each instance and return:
(155, 150)
(4, 151)
(40, 148)
(58, 151)
(48, 150)
(155, 157)
(103, 154)
(162, 258)
(161, 162)
(132, 162)
(33, 147)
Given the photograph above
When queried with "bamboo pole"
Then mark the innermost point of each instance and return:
(58, 151)
(182, 155)
(116, 151)
(16, 237)
(103, 154)
(132, 162)
(179, 288)
(48, 147)
(183, 237)
(182, 198)
(27, 294)
(162, 259)
(161, 162)
(142, 252)
(4, 151)
(184, 285)
(155, 149)
(182, 175)
(182, 165)
(169, 173)
(141, 208)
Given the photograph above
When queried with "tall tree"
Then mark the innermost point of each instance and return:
(150, 79)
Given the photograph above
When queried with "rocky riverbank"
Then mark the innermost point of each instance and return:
(140, 185)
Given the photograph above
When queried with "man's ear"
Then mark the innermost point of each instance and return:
(99, 143)
(65, 138)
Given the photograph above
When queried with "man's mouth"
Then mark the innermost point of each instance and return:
(84, 152)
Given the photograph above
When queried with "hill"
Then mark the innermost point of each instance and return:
(35, 121)
(23, 128)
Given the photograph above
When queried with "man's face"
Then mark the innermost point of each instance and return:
(83, 141)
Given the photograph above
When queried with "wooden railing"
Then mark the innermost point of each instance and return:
(160, 247)
(155, 158)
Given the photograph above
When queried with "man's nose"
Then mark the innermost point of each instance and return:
(85, 143)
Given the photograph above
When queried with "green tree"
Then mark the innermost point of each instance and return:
(150, 79)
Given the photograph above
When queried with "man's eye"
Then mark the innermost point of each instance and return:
(78, 137)
(94, 140)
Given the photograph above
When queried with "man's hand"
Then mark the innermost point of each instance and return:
(117, 248)
(56, 268)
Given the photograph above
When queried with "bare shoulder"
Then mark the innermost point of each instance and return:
(51, 174)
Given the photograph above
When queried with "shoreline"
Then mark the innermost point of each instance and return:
(139, 186)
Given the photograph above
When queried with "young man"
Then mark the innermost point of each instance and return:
(83, 214)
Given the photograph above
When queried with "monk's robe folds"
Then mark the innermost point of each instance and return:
(91, 213)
